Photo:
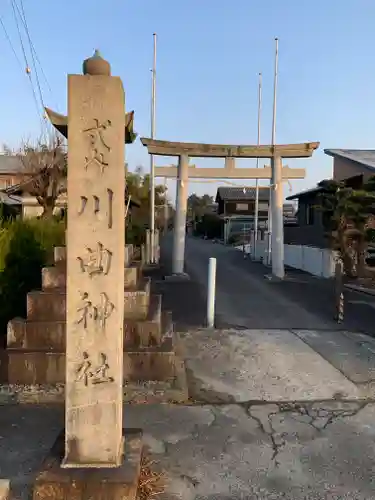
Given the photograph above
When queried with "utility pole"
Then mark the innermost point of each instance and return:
(152, 161)
(257, 180)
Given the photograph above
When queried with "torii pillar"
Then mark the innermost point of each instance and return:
(178, 258)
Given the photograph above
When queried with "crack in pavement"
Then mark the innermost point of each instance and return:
(319, 418)
(266, 426)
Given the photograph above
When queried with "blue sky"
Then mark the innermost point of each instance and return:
(209, 55)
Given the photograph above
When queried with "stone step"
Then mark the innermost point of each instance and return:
(48, 335)
(50, 304)
(46, 305)
(59, 254)
(137, 300)
(55, 276)
(51, 335)
(133, 275)
(144, 332)
(32, 367)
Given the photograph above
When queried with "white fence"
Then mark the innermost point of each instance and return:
(316, 261)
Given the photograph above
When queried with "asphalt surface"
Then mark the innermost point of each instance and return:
(246, 299)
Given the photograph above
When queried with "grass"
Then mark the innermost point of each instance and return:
(151, 483)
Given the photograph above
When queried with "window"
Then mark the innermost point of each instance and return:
(309, 215)
(262, 206)
(240, 207)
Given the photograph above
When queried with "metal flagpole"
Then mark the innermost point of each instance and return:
(273, 140)
(152, 162)
(257, 180)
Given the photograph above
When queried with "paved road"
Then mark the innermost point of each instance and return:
(246, 299)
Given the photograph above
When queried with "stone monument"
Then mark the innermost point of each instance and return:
(97, 461)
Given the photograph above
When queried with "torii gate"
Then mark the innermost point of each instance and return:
(183, 171)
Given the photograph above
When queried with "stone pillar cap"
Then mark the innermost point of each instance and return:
(96, 65)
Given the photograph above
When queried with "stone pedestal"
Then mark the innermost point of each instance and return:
(56, 483)
(35, 354)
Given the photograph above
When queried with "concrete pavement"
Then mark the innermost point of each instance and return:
(296, 313)
(249, 451)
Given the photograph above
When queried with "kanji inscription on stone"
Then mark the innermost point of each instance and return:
(99, 313)
(94, 374)
(96, 206)
(96, 260)
(98, 147)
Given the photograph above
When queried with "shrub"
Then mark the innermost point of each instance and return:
(25, 247)
(135, 234)
(209, 225)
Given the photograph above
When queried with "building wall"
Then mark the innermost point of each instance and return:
(8, 180)
(343, 169)
(31, 208)
(229, 208)
(305, 235)
(310, 230)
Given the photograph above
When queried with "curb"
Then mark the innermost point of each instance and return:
(360, 289)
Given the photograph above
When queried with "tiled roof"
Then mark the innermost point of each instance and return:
(10, 164)
(365, 157)
(310, 191)
(245, 193)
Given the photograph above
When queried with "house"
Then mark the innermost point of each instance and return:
(309, 227)
(236, 207)
(12, 174)
(351, 166)
(11, 170)
(14, 190)
(349, 163)
(29, 206)
(289, 214)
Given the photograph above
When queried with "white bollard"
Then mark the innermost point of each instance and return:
(211, 289)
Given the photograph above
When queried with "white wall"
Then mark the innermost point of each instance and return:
(316, 261)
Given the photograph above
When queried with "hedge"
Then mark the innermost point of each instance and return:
(25, 247)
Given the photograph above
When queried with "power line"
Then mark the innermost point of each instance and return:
(10, 42)
(27, 69)
(32, 47)
(23, 18)
(20, 37)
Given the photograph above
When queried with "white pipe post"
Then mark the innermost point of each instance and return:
(271, 249)
(152, 162)
(179, 230)
(257, 180)
(211, 292)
